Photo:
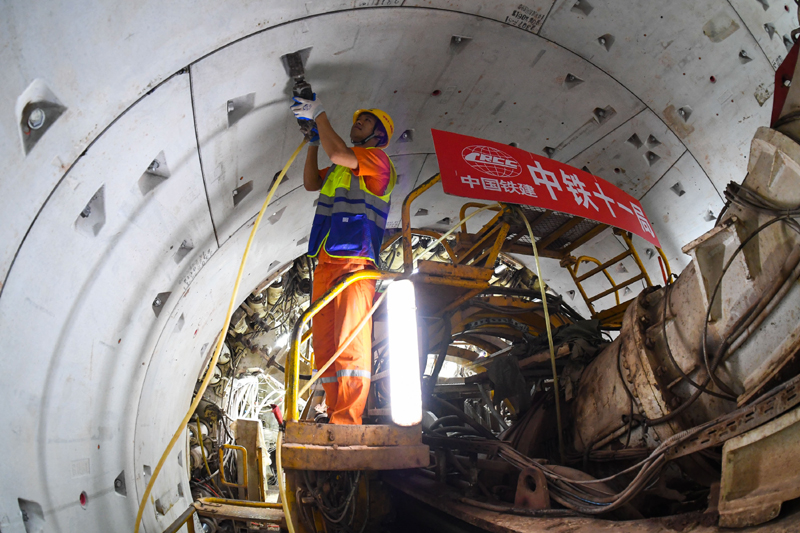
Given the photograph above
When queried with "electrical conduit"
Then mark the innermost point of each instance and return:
(215, 357)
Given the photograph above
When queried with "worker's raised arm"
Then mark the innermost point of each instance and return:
(334, 145)
(311, 178)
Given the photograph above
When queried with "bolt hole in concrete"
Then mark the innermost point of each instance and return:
(32, 516)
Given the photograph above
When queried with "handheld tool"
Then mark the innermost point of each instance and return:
(294, 64)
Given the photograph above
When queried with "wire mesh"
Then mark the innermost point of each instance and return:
(544, 222)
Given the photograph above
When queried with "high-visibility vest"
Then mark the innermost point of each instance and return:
(350, 220)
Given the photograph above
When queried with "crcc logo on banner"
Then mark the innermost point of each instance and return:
(491, 161)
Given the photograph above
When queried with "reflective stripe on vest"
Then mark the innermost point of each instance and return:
(350, 220)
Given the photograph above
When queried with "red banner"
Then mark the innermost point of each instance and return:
(486, 170)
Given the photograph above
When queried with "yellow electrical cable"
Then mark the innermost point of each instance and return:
(549, 335)
(203, 451)
(220, 342)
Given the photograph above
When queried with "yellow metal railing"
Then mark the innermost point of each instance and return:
(572, 265)
(405, 216)
(222, 480)
(184, 519)
(292, 375)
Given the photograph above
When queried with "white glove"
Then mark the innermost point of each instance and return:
(307, 109)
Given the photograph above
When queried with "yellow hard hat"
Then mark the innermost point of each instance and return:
(383, 118)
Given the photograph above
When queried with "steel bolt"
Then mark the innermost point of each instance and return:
(456, 39)
(743, 55)
(153, 166)
(787, 83)
(570, 77)
(601, 113)
(86, 212)
(157, 302)
(231, 107)
(644, 321)
(681, 112)
(602, 40)
(651, 156)
(36, 119)
(235, 192)
(118, 483)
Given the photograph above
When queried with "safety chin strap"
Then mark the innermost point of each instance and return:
(366, 139)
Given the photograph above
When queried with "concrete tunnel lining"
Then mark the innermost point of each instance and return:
(51, 292)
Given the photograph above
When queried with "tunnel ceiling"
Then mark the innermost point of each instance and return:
(116, 269)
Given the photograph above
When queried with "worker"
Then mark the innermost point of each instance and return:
(346, 237)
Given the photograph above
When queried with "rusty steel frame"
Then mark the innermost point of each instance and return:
(203, 507)
(773, 404)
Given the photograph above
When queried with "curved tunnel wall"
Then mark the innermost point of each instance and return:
(96, 377)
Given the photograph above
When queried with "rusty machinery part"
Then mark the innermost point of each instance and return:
(655, 365)
(742, 324)
(578, 494)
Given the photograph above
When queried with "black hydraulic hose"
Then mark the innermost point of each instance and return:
(437, 367)
(443, 420)
(444, 406)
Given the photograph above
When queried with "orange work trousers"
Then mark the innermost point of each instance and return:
(347, 381)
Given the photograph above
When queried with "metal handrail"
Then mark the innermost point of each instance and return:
(462, 214)
(587, 259)
(292, 375)
(602, 267)
(222, 470)
(405, 216)
(184, 519)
